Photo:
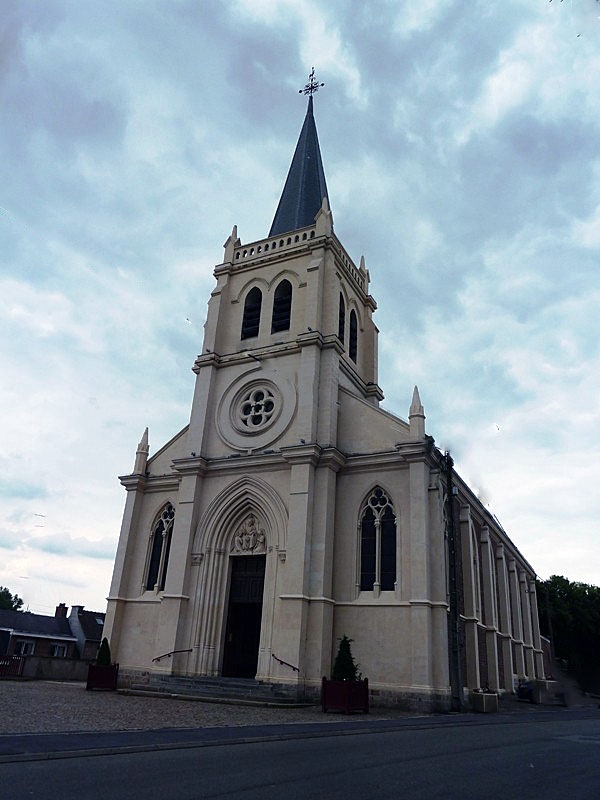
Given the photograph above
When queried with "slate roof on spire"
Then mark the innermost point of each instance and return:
(305, 185)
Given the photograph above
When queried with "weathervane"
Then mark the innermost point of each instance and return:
(312, 86)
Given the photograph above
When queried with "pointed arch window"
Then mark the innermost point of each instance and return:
(160, 546)
(342, 319)
(282, 307)
(353, 344)
(251, 320)
(377, 543)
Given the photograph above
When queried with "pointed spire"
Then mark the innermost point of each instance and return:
(324, 219)
(231, 243)
(305, 186)
(141, 455)
(416, 416)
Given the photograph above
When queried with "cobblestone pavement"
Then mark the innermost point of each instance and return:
(53, 707)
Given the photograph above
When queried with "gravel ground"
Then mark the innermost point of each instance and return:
(51, 707)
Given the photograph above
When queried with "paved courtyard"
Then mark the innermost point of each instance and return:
(51, 707)
(61, 707)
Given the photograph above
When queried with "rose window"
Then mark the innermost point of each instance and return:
(256, 407)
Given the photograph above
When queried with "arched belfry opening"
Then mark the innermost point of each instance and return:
(247, 561)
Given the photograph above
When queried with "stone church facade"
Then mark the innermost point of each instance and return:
(293, 509)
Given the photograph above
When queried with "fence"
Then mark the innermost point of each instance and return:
(11, 666)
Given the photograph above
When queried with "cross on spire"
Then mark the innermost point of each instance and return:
(312, 86)
(305, 187)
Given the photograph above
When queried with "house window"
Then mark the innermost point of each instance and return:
(251, 320)
(58, 650)
(160, 545)
(353, 336)
(282, 307)
(378, 544)
(342, 319)
(24, 647)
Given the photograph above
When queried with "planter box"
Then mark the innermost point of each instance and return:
(102, 676)
(345, 696)
(484, 702)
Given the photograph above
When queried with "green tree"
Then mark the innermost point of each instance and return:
(570, 617)
(344, 667)
(8, 600)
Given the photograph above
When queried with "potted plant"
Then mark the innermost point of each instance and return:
(102, 673)
(484, 700)
(347, 690)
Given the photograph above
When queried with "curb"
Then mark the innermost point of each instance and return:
(326, 731)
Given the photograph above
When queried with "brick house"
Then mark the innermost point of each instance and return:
(25, 634)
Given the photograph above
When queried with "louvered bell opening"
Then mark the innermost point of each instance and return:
(282, 306)
(251, 321)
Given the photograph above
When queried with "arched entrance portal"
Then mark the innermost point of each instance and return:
(244, 608)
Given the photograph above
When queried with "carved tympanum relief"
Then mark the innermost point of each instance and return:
(249, 539)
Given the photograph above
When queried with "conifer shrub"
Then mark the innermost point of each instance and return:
(345, 667)
(103, 658)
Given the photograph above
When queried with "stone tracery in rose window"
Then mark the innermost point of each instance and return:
(256, 408)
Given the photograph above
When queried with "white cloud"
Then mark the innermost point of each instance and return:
(418, 17)
(548, 71)
(587, 232)
(320, 42)
(137, 140)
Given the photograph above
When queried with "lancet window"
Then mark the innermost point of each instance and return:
(251, 320)
(353, 344)
(282, 307)
(160, 545)
(378, 543)
(342, 319)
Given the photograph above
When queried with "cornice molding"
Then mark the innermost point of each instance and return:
(372, 462)
(206, 360)
(162, 483)
(332, 458)
(192, 465)
(302, 454)
(245, 461)
(134, 482)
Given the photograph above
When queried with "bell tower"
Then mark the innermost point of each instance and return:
(290, 320)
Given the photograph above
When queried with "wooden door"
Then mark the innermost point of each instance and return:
(242, 634)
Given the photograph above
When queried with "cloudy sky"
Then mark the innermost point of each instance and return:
(461, 148)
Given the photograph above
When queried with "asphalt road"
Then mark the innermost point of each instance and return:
(543, 757)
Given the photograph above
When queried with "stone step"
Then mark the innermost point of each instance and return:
(273, 702)
(205, 680)
(217, 689)
(221, 685)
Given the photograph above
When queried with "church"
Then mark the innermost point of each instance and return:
(293, 510)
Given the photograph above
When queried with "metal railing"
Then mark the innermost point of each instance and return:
(168, 655)
(285, 663)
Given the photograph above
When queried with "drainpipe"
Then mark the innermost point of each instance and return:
(455, 662)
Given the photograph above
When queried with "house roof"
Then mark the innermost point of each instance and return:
(305, 186)
(91, 623)
(24, 622)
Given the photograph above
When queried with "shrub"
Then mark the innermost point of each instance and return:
(103, 656)
(345, 668)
